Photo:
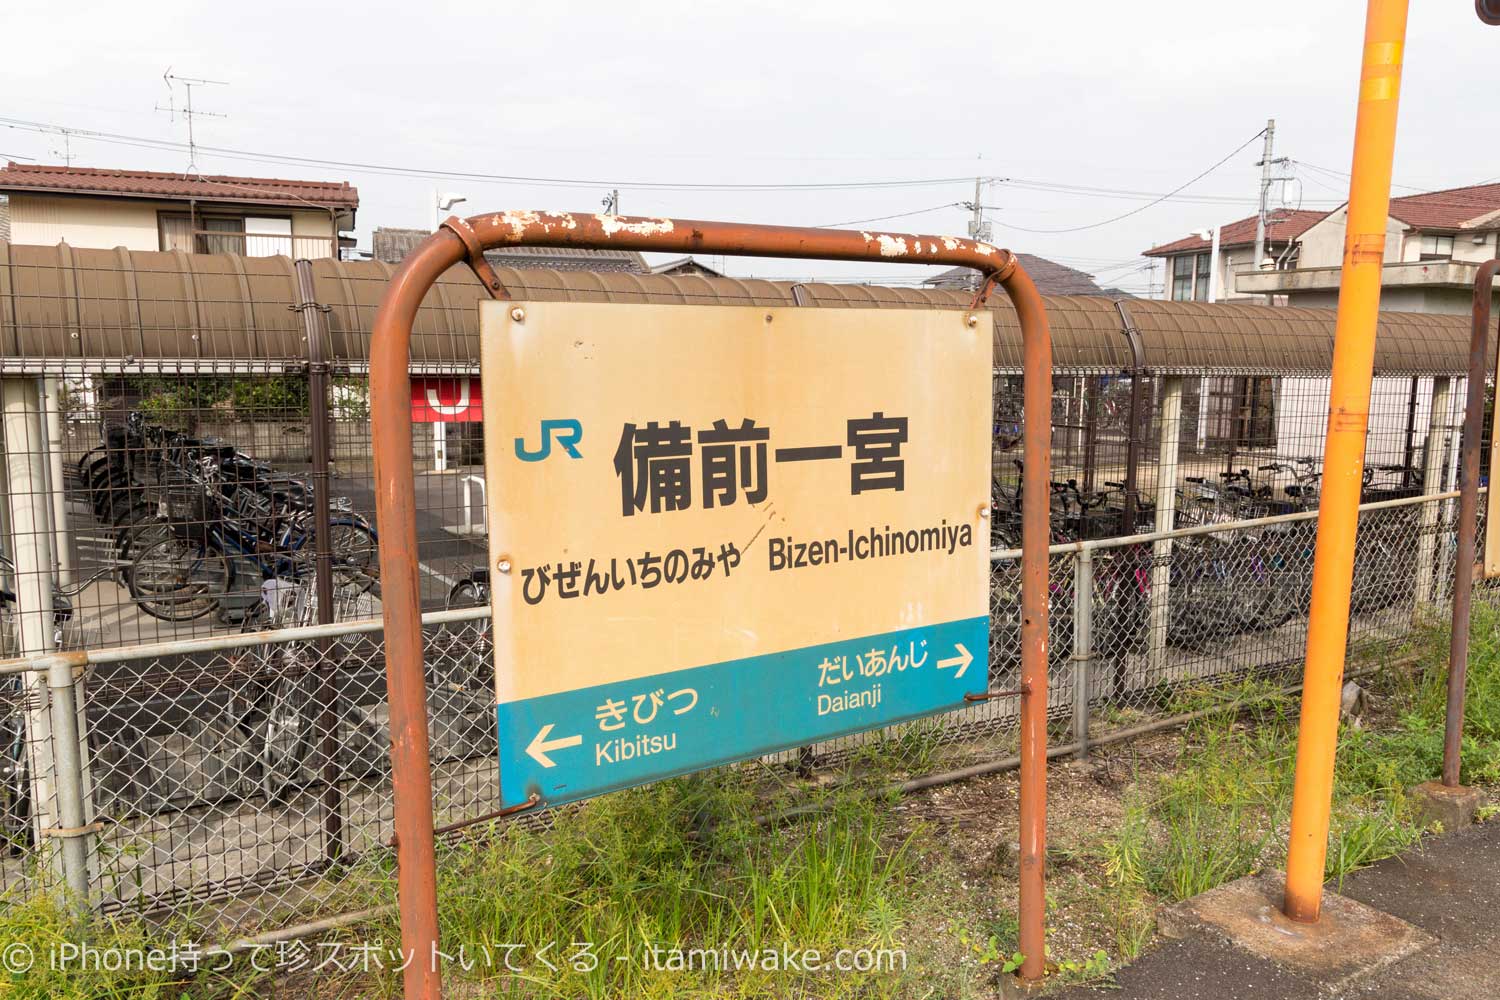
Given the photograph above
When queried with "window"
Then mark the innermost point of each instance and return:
(201, 233)
(175, 232)
(267, 237)
(208, 243)
(252, 236)
(1436, 247)
(182, 231)
(1190, 277)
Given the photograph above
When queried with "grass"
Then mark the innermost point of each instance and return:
(677, 865)
(1223, 811)
(46, 936)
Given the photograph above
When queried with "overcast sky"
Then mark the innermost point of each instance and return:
(1135, 97)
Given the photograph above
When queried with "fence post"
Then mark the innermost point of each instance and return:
(1432, 474)
(1467, 526)
(314, 325)
(54, 751)
(1083, 646)
(1166, 516)
(73, 826)
(62, 553)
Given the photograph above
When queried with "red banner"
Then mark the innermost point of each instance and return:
(446, 399)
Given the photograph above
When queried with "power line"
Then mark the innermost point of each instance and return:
(1431, 198)
(898, 215)
(1156, 201)
(1345, 175)
(393, 170)
(1084, 191)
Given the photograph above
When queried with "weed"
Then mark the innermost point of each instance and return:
(47, 936)
(912, 748)
(679, 865)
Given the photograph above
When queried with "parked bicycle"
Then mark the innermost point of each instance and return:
(222, 513)
(289, 715)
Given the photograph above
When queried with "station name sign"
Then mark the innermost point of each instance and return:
(719, 532)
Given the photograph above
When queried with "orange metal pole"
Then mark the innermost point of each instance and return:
(1343, 454)
(395, 503)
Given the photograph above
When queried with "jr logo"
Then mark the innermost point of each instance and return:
(567, 432)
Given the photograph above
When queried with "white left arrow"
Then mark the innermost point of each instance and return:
(961, 661)
(541, 746)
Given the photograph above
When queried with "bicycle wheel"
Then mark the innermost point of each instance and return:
(354, 554)
(178, 580)
(15, 780)
(285, 732)
(468, 594)
(465, 663)
(136, 535)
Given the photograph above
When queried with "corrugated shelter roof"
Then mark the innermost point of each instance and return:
(66, 309)
(178, 187)
(391, 245)
(1282, 225)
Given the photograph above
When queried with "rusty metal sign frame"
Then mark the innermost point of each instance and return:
(464, 241)
(1464, 568)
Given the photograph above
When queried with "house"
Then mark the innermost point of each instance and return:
(1434, 243)
(194, 213)
(391, 245)
(1051, 278)
(1187, 259)
(684, 266)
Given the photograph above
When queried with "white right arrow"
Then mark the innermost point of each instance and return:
(541, 746)
(961, 661)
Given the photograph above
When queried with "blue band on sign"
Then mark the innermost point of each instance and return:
(578, 744)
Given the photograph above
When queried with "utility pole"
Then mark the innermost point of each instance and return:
(979, 229)
(1266, 180)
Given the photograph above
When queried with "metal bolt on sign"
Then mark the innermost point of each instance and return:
(465, 240)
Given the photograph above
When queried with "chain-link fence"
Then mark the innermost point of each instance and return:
(169, 431)
(234, 777)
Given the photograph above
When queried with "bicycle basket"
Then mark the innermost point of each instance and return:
(189, 507)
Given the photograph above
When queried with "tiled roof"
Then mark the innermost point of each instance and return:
(684, 266)
(177, 187)
(1051, 278)
(392, 245)
(1455, 208)
(1281, 225)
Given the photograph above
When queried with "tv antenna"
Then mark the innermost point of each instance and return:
(187, 112)
(66, 153)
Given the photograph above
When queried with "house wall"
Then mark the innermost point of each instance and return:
(105, 223)
(1464, 247)
(1231, 262)
(1323, 243)
(1453, 301)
